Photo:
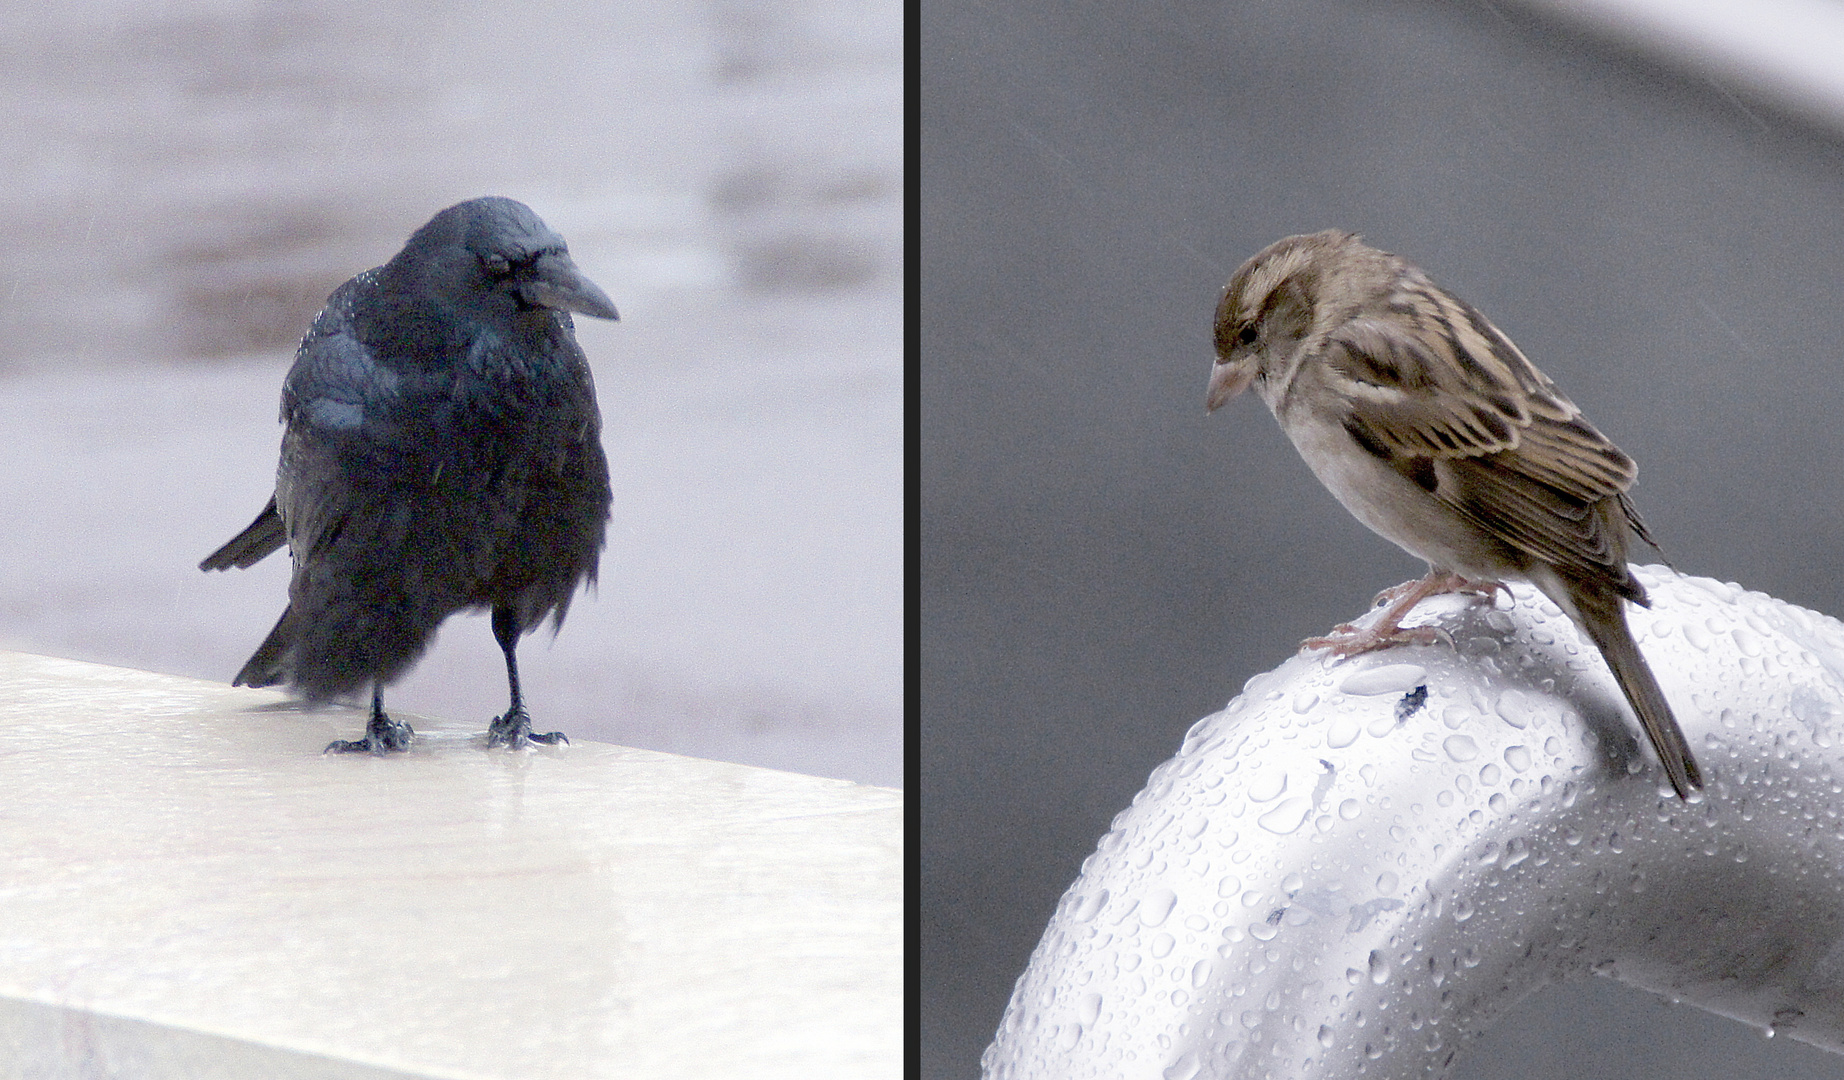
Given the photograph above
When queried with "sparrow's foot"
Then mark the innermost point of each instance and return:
(514, 732)
(382, 736)
(1348, 640)
(1433, 585)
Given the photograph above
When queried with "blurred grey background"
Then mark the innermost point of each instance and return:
(185, 182)
(1659, 225)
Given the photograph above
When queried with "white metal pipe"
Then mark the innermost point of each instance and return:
(1360, 864)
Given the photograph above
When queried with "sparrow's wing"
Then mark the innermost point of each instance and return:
(1451, 403)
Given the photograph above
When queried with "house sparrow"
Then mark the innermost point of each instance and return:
(1431, 427)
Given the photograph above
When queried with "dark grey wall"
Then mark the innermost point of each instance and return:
(1102, 564)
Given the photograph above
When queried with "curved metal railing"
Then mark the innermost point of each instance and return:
(1359, 864)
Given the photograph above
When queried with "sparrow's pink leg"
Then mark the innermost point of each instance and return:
(1349, 640)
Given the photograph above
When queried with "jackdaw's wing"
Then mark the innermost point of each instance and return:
(337, 405)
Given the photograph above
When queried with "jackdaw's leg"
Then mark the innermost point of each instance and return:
(382, 734)
(513, 729)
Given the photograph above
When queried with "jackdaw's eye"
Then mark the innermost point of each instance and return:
(496, 266)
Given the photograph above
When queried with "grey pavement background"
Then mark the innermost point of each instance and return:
(184, 184)
(1101, 564)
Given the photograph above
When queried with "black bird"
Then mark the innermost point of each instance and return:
(442, 453)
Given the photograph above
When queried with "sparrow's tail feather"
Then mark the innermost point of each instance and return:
(1604, 620)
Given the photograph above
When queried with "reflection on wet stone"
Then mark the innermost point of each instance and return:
(801, 218)
(793, 232)
(254, 285)
(806, 264)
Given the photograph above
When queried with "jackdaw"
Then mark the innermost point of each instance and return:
(442, 453)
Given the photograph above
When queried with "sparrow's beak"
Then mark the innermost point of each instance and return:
(1226, 381)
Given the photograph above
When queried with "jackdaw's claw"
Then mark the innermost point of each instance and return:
(514, 732)
(382, 736)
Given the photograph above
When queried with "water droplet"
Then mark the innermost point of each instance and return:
(1379, 967)
(1270, 786)
(1088, 1009)
(1460, 747)
(1286, 817)
(1304, 701)
(1747, 641)
(1514, 708)
(1517, 757)
(1200, 974)
(1697, 636)
(1089, 906)
(1229, 885)
(1462, 909)
(1157, 905)
(1384, 679)
(1161, 946)
(1325, 1036)
(1342, 732)
(1184, 1068)
(1516, 851)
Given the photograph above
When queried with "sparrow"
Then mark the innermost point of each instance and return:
(1432, 428)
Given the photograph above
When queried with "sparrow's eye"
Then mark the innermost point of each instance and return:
(1247, 335)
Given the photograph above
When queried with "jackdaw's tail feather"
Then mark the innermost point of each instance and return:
(265, 667)
(250, 546)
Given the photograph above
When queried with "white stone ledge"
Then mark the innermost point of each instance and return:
(191, 889)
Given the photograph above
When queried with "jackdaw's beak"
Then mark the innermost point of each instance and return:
(1226, 381)
(555, 282)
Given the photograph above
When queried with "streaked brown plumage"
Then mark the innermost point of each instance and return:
(1431, 427)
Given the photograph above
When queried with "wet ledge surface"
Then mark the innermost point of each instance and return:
(192, 889)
